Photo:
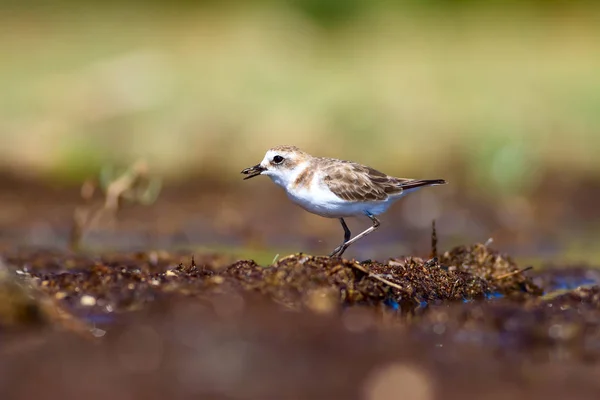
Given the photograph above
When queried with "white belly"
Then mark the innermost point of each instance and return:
(323, 202)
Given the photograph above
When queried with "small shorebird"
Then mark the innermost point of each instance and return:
(335, 188)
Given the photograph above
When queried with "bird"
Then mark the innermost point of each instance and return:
(334, 188)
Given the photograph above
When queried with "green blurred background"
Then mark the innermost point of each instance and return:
(499, 97)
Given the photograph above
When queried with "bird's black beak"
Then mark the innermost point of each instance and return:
(253, 171)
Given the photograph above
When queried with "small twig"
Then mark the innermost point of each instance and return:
(434, 240)
(513, 273)
(125, 182)
(287, 257)
(454, 287)
(377, 277)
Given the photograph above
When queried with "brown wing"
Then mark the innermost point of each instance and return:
(355, 182)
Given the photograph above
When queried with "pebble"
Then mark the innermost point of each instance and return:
(87, 300)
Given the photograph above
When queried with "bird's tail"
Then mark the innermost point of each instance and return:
(416, 183)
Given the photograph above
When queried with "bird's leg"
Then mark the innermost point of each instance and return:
(347, 232)
(347, 235)
(347, 242)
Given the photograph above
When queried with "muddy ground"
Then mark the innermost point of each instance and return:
(149, 320)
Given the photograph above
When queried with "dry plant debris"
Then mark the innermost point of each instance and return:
(134, 185)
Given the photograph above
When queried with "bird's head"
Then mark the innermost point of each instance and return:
(281, 163)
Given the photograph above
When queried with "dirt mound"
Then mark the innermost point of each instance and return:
(157, 324)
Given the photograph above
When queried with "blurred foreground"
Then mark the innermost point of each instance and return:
(158, 325)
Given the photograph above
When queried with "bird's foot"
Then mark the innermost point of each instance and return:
(338, 251)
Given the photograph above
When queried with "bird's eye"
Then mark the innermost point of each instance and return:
(277, 160)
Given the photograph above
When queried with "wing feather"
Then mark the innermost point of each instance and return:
(355, 182)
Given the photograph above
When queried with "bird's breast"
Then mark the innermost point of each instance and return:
(316, 198)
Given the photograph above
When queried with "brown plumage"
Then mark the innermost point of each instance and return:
(355, 182)
(284, 148)
(304, 178)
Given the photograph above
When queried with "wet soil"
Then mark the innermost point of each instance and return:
(154, 325)
(468, 322)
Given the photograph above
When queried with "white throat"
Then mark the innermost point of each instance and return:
(286, 177)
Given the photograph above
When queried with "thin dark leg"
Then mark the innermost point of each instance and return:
(342, 248)
(347, 232)
(347, 235)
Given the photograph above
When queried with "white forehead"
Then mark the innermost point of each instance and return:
(272, 153)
